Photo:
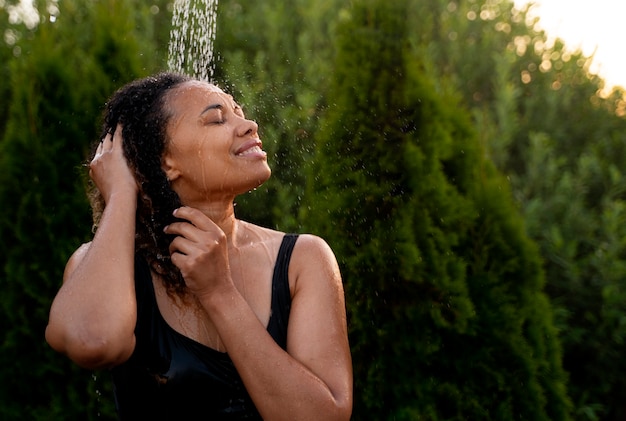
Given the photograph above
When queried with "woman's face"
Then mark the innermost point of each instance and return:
(214, 152)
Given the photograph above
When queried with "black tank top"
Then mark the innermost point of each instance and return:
(172, 377)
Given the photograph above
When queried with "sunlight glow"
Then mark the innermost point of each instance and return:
(23, 12)
(595, 28)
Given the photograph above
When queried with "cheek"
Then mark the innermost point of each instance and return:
(199, 157)
(188, 154)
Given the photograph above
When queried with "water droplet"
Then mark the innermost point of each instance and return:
(194, 24)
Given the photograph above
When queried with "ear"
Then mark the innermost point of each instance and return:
(169, 167)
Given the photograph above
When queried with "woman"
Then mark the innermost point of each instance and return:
(198, 314)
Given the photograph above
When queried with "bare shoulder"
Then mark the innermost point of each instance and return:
(310, 246)
(313, 261)
(310, 243)
(312, 257)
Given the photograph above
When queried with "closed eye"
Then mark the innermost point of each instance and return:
(214, 119)
(213, 114)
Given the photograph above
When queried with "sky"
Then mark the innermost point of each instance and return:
(597, 27)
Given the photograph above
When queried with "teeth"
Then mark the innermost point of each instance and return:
(254, 149)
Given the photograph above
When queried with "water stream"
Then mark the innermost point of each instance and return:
(193, 30)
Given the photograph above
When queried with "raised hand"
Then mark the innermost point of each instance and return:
(109, 168)
(200, 251)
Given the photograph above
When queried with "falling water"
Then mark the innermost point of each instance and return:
(191, 38)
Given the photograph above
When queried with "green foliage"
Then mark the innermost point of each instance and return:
(444, 288)
(276, 66)
(65, 71)
(7, 50)
(584, 248)
(546, 123)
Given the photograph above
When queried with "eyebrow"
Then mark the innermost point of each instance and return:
(212, 107)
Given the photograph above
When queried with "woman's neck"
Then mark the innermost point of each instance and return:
(223, 215)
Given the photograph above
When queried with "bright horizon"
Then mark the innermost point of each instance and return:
(596, 29)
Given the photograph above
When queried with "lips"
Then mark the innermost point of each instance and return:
(251, 148)
(251, 151)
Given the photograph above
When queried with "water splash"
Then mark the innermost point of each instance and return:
(190, 51)
(98, 394)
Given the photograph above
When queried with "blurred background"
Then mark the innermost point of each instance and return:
(465, 164)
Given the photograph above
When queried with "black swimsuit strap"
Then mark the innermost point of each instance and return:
(281, 296)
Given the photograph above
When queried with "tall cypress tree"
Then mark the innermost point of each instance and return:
(447, 315)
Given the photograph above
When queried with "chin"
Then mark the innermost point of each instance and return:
(259, 180)
(262, 180)
(266, 176)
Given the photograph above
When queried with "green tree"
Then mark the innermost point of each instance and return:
(11, 32)
(547, 124)
(444, 288)
(584, 248)
(57, 87)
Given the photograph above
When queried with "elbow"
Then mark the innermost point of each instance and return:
(338, 409)
(343, 409)
(99, 355)
(88, 351)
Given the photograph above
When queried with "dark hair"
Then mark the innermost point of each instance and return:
(140, 107)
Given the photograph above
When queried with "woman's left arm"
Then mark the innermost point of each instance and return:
(313, 379)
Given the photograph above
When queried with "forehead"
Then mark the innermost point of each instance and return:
(197, 94)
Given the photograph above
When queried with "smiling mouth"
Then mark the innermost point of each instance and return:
(255, 150)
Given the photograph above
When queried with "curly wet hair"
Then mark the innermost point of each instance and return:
(140, 107)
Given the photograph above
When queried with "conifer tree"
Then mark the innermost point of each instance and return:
(58, 87)
(6, 52)
(550, 126)
(448, 319)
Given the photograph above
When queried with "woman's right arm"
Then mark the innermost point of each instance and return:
(93, 316)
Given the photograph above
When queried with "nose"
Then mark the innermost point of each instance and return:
(248, 127)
